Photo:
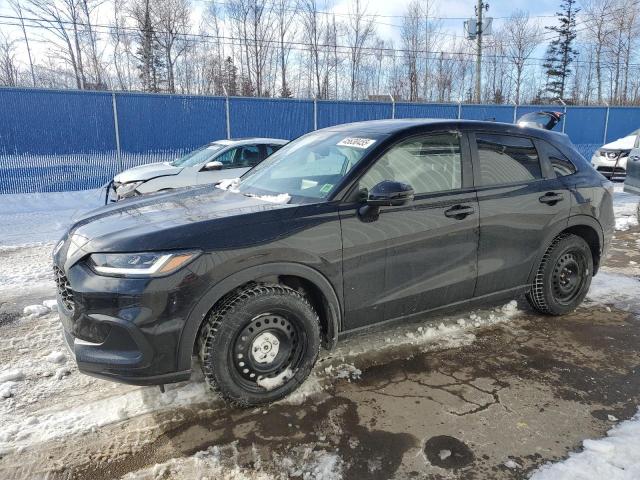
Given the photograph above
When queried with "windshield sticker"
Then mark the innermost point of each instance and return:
(326, 188)
(356, 142)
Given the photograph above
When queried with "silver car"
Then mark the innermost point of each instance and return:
(208, 164)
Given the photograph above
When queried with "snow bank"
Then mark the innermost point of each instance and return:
(615, 457)
(41, 218)
(611, 288)
(624, 208)
(220, 463)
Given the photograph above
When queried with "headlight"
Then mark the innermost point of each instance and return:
(127, 189)
(145, 264)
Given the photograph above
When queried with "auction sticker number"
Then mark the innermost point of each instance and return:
(356, 142)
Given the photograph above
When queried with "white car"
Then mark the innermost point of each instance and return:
(611, 159)
(208, 164)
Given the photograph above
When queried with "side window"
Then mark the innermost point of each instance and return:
(249, 156)
(505, 159)
(429, 163)
(561, 164)
(272, 148)
(227, 157)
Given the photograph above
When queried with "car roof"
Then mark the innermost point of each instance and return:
(391, 127)
(250, 140)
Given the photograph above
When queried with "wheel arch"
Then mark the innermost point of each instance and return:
(315, 285)
(584, 226)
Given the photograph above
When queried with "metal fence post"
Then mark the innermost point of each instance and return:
(116, 129)
(459, 109)
(606, 126)
(393, 106)
(515, 112)
(226, 112)
(315, 113)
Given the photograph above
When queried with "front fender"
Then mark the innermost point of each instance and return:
(230, 283)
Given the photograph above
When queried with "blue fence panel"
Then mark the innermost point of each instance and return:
(276, 118)
(65, 140)
(494, 113)
(45, 122)
(52, 140)
(585, 127)
(334, 112)
(622, 121)
(424, 110)
(161, 123)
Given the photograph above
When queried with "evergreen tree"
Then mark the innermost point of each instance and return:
(560, 52)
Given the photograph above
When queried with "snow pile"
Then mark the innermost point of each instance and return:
(38, 218)
(35, 311)
(280, 198)
(56, 357)
(618, 290)
(271, 383)
(615, 457)
(230, 184)
(625, 208)
(344, 371)
(15, 375)
(220, 463)
(87, 416)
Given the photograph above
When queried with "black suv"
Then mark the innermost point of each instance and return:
(339, 230)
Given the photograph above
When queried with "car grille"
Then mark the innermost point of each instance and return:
(64, 288)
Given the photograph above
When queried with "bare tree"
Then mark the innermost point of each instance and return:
(315, 32)
(599, 25)
(286, 26)
(521, 39)
(16, 6)
(171, 19)
(63, 19)
(360, 29)
(412, 43)
(122, 46)
(8, 66)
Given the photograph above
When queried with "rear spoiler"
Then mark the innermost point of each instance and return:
(545, 120)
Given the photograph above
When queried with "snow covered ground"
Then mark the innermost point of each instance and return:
(43, 397)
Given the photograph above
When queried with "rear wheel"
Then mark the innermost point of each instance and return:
(260, 344)
(563, 277)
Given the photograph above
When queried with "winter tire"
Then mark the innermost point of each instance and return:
(259, 344)
(563, 277)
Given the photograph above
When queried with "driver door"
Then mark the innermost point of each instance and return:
(409, 259)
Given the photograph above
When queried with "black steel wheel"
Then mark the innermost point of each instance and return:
(259, 344)
(563, 277)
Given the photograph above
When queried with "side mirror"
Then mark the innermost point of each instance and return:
(390, 194)
(214, 165)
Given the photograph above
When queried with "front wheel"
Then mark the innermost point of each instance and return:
(260, 344)
(563, 277)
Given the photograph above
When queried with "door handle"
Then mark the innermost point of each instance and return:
(459, 212)
(551, 198)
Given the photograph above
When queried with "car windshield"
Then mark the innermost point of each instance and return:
(201, 155)
(309, 167)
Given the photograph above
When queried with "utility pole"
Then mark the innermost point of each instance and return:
(479, 31)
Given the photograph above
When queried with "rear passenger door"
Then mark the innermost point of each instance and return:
(519, 198)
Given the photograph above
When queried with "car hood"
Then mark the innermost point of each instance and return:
(191, 218)
(147, 172)
(624, 143)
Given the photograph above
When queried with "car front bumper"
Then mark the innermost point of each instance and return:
(610, 166)
(125, 329)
